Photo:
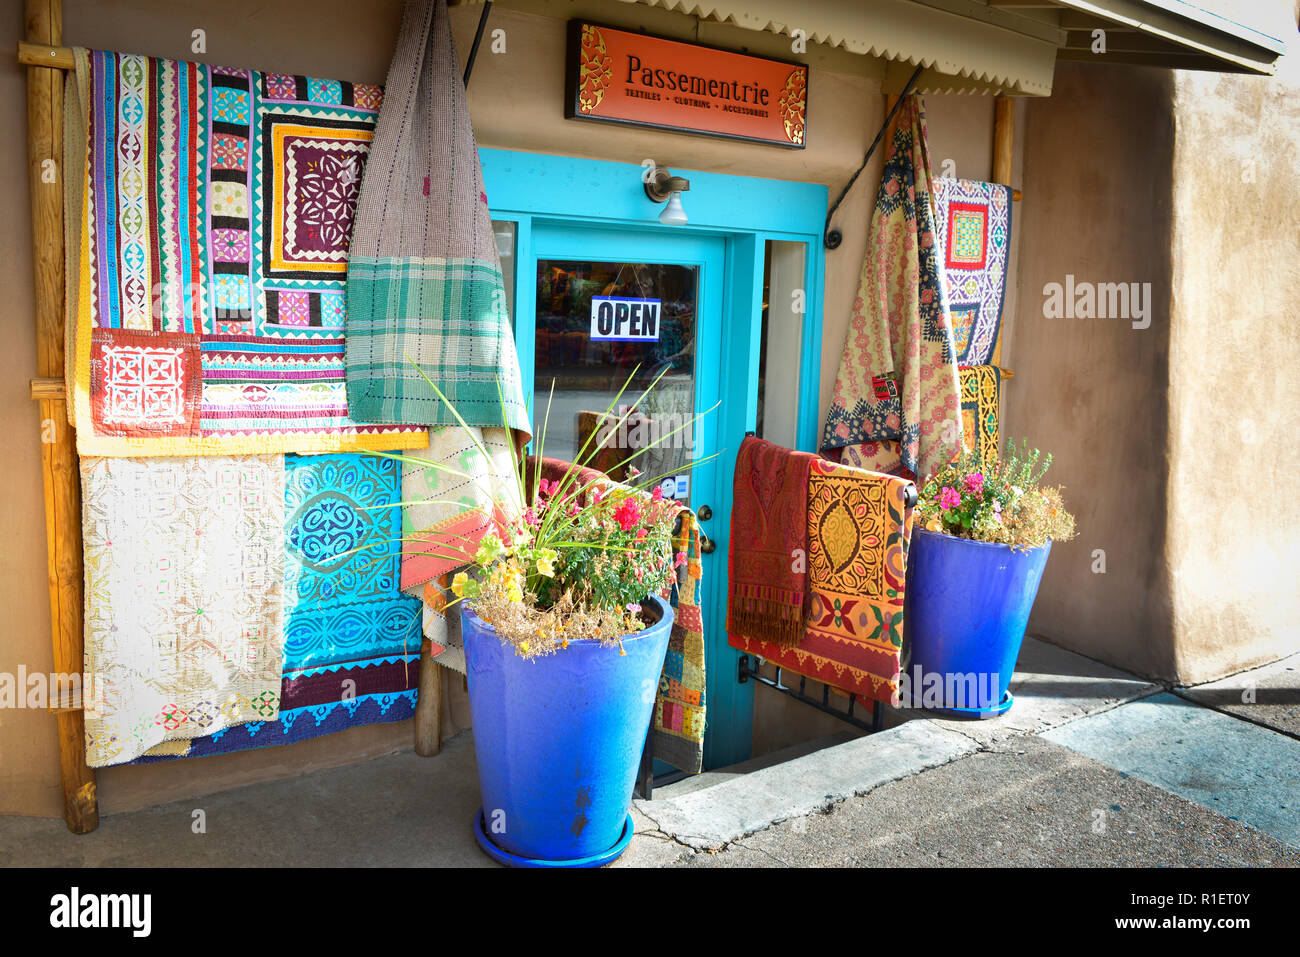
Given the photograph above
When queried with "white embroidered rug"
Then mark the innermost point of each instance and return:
(184, 563)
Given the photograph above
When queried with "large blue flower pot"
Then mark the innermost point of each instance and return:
(559, 740)
(965, 610)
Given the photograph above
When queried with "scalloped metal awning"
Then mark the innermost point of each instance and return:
(1009, 46)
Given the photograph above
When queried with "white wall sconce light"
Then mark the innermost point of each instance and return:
(661, 186)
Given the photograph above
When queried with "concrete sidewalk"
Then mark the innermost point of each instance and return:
(1091, 767)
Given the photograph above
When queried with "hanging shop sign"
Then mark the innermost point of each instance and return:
(615, 319)
(620, 77)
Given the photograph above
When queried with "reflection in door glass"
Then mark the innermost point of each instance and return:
(596, 322)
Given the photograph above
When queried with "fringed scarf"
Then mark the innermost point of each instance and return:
(767, 597)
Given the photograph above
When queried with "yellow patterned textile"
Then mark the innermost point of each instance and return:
(859, 527)
(981, 388)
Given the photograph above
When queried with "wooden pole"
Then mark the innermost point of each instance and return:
(428, 705)
(1004, 130)
(44, 22)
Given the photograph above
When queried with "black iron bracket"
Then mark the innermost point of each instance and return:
(746, 671)
(478, 38)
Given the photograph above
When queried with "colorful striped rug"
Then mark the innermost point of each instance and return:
(211, 257)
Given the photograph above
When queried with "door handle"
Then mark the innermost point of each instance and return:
(704, 513)
(707, 545)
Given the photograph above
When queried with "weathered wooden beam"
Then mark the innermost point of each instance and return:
(52, 389)
(42, 54)
(44, 25)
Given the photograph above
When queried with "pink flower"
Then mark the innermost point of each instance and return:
(531, 517)
(949, 498)
(628, 514)
(997, 511)
(975, 483)
(641, 533)
(573, 509)
(657, 495)
(548, 487)
(680, 560)
(597, 494)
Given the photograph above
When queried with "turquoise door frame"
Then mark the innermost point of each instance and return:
(558, 202)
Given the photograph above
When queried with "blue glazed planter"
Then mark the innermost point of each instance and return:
(965, 610)
(559, 740)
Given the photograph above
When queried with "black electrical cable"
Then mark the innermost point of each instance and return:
(833, 237)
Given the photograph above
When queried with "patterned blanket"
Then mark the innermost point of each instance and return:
(897, 379)
(973, 223)
(210, 261)
(351, 639)
(184, 570)
(425, 290)
(680, 706)
(859, 529)
(980, 392)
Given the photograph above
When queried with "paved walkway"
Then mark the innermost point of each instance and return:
(1091, 767)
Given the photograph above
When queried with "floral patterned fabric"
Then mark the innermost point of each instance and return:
(898, 376)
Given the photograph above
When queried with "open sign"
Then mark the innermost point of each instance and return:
(624, 320)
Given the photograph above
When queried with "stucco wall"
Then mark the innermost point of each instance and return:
(1098, 156)
(1233, 547)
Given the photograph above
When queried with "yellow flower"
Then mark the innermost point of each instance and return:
(458, 584)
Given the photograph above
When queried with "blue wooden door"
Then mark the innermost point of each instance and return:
(565, 212)
(572, 373)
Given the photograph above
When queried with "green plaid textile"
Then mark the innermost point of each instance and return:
(449, 317)
(424, 275)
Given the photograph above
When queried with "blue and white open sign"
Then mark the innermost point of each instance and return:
(624, 320)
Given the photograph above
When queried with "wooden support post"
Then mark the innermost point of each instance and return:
(1004, 130)
(44, 19)
(428, 705)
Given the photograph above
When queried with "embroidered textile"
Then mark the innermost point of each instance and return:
(859, 529)
(973, 224)
(184, 573)
(897, 379)
(980, 391)
(210, 258)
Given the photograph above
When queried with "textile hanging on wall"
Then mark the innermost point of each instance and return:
(680, 706)
(859, 528)
(973, 224)
(425, 290)
(453, 494)
(767, 590)
(380, 690)
(980, 391)
(184, 573)
(342, 561)
(897, 379)
(351, 638)
(211, 258)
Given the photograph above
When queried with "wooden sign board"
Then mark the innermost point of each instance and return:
(616, 76)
